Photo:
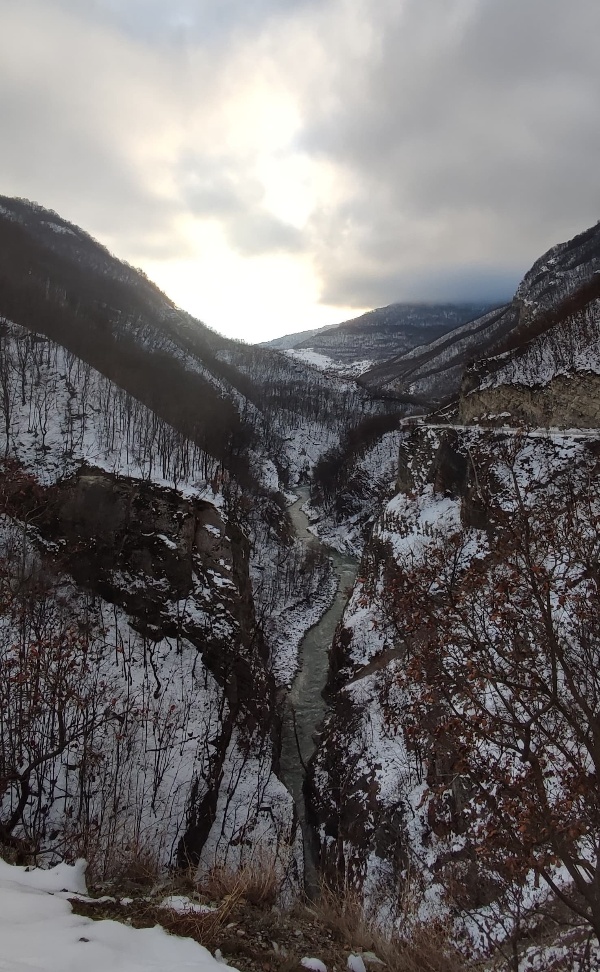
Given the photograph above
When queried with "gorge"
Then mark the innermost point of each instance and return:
(170, 622)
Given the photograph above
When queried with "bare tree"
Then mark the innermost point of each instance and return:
(501, 685)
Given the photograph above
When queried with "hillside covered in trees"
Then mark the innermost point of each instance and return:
(154, 597)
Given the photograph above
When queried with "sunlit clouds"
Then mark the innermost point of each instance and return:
(279, 165)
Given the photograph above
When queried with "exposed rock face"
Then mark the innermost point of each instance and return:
(552, 377)
(120, 531)
(180, 575)
(371, 785)
(568, 401)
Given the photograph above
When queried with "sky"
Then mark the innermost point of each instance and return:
(277, 165)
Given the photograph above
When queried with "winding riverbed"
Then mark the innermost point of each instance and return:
(305, 707)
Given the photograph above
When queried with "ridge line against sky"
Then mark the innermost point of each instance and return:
(277, 165)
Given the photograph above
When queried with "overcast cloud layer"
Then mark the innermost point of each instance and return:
(277, 164)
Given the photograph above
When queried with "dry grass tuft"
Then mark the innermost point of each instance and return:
(256, 882)
(427, 948)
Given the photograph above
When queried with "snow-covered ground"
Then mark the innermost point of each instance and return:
(58, 412)
(325, 363)
(371, 477)
(40, 933)
(570, 348)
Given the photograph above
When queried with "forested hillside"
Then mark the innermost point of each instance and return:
(458, 763)
(154, 597)
(144, 528)
(355, 346)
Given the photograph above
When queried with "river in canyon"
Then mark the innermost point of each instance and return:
(305, 707)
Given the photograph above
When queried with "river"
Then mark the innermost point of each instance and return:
(305, 706)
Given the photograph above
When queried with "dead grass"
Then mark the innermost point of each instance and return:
(255, 936)
(256, 882)
(427, 948)
(129, 866)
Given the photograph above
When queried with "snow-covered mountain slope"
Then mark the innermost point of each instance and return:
(559, 286)
(306, 411)
(289, 341)
(142, 455)
(231, 400)
(549, 372)
(456, 765)
(379, 334)
(124, 580)
(431, 374)
(553, 379)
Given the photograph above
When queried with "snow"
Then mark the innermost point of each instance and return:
(310, 357)
(59, 412)
(184, 905)
(570, 347)
(40, 933)
(355, 963)
(377, 757)
(324, 363)
(370, 480)
(176, 717)
(59, 228)
(314, 964)
(290, 591)
(253, 824)
(167, 541)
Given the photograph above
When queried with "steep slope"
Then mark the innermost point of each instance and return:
(237, 403)
(457, 767)
(138, 710)
(141, 522)
(548, 372)
(66, 286)
(291, 340)
(430, 375)
(454, 766)
(143, 455)
(560, 285)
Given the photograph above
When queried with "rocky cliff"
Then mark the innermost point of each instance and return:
(553, 316)
(442, 643)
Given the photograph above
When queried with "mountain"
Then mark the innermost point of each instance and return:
(291, 340)
(154, 597)
(232, 400)
(460, 746)
(354, 346)
(559, 285)
(547, 372)
(153, 594)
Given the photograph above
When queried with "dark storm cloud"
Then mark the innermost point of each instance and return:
(444, 284)
(474, 136)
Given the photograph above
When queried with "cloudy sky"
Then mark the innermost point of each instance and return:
(279, 164)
